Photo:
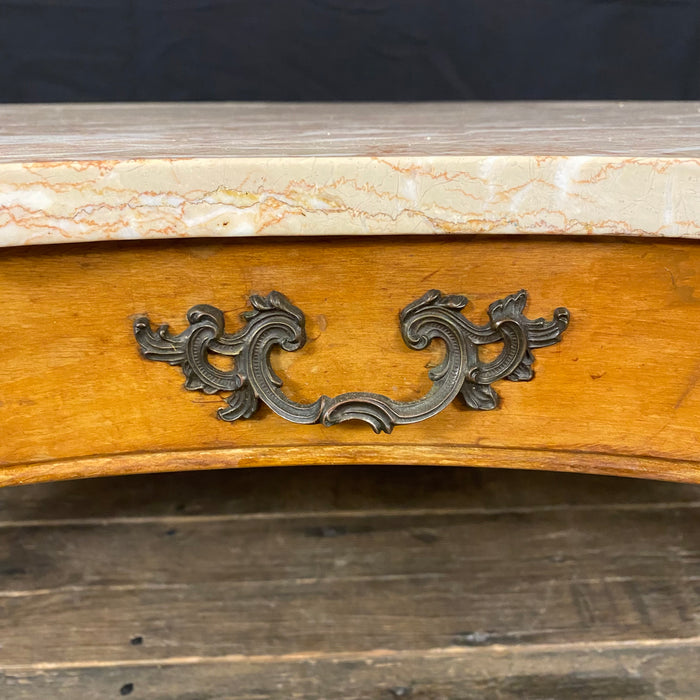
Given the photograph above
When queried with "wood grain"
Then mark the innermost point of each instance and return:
(427, 589)
(656, 672)
(339, 582)
(618, 395)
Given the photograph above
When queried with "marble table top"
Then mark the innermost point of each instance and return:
(72, 173)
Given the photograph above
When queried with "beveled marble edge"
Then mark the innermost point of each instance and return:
(129, 131)
(64, 202)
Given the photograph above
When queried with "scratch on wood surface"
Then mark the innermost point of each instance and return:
(430, 274)
(439, 652)
(690, 385)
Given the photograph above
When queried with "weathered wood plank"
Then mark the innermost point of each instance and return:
(328, 489)
(578, 672)
(202, 586)
(290, 583)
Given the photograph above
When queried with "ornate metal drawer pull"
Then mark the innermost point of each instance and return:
(274, 320)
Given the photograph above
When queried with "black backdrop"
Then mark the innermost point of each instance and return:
(76, 50)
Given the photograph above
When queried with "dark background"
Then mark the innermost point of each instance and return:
(82, 50)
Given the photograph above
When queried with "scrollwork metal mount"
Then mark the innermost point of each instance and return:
(274, 320)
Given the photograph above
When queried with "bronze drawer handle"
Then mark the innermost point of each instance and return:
(274, 320)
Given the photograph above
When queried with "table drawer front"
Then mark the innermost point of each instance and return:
(617, 394)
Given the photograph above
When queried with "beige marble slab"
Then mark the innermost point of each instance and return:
(99, 172)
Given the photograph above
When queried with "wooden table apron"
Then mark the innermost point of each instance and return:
(616, 396)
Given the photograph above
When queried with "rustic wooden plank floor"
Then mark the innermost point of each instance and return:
(371, 582)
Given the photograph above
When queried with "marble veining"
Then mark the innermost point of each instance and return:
(147, 198)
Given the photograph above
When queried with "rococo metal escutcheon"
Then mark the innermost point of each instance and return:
(274, 320)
